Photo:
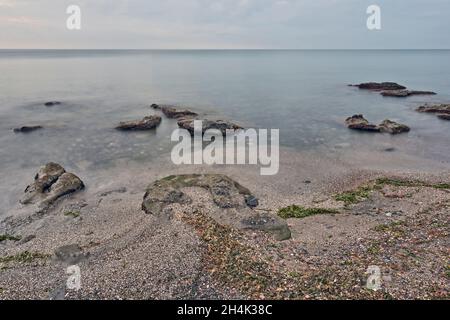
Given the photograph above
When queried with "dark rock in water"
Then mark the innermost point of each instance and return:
(148, 123)
(233, 202)
(405, 93)
(358, 122)
(50, 183)
(52, 103)
(220, 125)
(380, 86)
(251, 201)
(390, 149)
(26, 129)
(393, 127)
(444, 116)
(155, 106)
(174, 113)
(269, 224)
(436, 108)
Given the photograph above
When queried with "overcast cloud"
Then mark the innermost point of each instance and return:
(277, 24)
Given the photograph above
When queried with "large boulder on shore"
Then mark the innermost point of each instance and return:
(172, 112)
(376, 86)
(148, 123)
(231, 205)
(221, 125)
(50, 183)
(358, 122)
(405, 93)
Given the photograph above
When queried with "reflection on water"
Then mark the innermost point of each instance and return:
(303, 93)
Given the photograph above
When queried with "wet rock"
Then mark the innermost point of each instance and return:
(220, 125)
(393, 127)
(383, 86)
(358, 122)
(251, 201)
(148, 123)
(50, 183)
(52, 103)
(268, 223)
(436, 108)
(26, 129)
(405, 93)
(172, 112)
(444, 116)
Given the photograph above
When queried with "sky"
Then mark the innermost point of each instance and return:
(225, 24)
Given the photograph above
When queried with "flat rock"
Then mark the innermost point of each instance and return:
(148, 123)
(444, 116)
(405, 93)
(436, 108)
(26, 129)
(358, 122)
(172, 112)
(50, 183)
(221, 125)
(232, 201)
(393, 127)
(376, 86)
(52, 103)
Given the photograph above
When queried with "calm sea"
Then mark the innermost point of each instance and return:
(303, 93)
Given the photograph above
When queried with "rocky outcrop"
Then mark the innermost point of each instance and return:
(436, 108)
(50, 183)
(405, 93)
(172, 112)
(444, 116)
(383, 86)
(358, 122)
(220, 125)
(52, 103)
(26, 129)
(148, 123)
(232, 202)
(393, 127)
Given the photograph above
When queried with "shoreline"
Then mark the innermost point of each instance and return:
(133, 255)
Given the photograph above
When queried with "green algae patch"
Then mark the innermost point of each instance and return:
(299, 212)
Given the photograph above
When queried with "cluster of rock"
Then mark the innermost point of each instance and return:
(391, 89)
(233, 201)
(51, 183)
(147, 123)
(441, 110)
(358, 122)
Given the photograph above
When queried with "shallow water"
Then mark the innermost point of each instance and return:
(303, 93)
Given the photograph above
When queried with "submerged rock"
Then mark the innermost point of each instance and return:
(393, 127)
(220, 125)
(232, 201)
(172, 112)
(436, 108)
(358, 122)
(148, 123)
(50, 183)
(380, 86)
(52, 103)
(405, 93)
(26, 129)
